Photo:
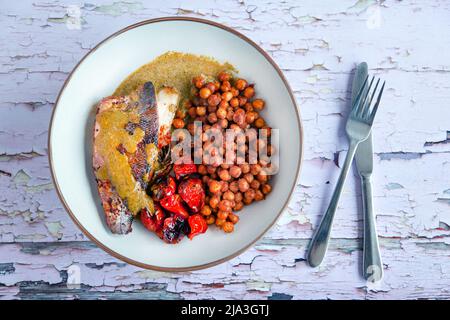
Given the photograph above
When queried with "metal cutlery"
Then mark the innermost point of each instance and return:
(372, 266)
(358, 127)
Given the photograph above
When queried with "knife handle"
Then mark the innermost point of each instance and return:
(372, 266)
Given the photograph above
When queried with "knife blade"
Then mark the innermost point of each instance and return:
(364, 153)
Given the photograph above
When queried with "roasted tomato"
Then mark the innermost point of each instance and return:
(167, 187)
(192, 192)
(153, 222)
(174, 229)
(182, 170)
(174, 204)
(197, 225)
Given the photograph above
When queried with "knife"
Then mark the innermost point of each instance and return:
(372, 266)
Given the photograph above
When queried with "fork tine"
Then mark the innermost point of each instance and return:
(356, 104)
(365, 115)
(375, 108)
(363, 105)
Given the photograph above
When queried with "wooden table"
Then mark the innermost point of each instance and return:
(317, 44)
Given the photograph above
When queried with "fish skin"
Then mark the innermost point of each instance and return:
(144, 101)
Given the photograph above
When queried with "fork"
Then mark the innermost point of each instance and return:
(358, 127)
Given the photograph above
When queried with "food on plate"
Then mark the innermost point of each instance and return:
(131, 136)
(132, 153)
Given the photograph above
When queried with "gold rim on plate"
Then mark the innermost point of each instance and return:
(134, 262)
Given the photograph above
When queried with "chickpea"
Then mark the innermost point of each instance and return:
(247, 201)
(225, 186)
(234, 102)
(239, 117)
(206, 210)
(178, 123)
(230, 114)
(222, 214)
(243, 185)
(206, 180)
(250, 194)
(201, 111)
(212, 118)
(210, 219)
(210, 170)
(224, 76)
(234, 186)
(204, 93)
(249, 177)
(211, 86)
(220, 222)
(238, 206)
(262, 178)
(245, 168)
(192, 112)
(223, 123)
(224, 175)
(225, 166)
(238, 197)
(250, 117)
(228, 195)
(202, 169)
(242, 101)
(255, 184)
(214, 186)
(225, 205)
(226, 86)
(249, 92)
(214, 201)
(259, 195)
(214, 100)
(234, 91)
(255, 169)
(259, 123)
(241, 84)
(258, 104)
(198, 81)
(181, 113)
(228, 227)
(235, 171)
(227, 96)
(233, 218)
(248, 107)
(221, 113)
(266, 188)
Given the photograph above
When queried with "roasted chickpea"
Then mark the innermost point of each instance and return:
(240, 84)
(204, 93)
(259, 195)
(230, 114)
(234, 102)
(235, 171)
(250, 117)
(226, 86)
(239, 117)
(202, 169)
(249, 92)
(245, 167)
(266, 188)
(225, 205)
(224, 175)
(249, 194)
(234, 91)
(238, 197)
(262, 177)
(223, 123)
(238, 206)
(221, 113)
(242, 101)
(181, 113)
(249, 177)
(214, 100)
(198, 81)
(214, 186)
(255, 169)
(224, 76)
(201, 111)
(192, 112)
(206, 210)
(259, 123)
(228, 227)
(234, 186)
(212, 118)
(258, 104)
(206, 179)
(243, 185)
(211, 86)
(214, 201)
(248, 107)
(228, 195)
(222, 214)
(255, 184)
(220, 222)
(178, 123)
(227, 96)
(233, 218)
(247, 201)
(225, 186)
(210, 219)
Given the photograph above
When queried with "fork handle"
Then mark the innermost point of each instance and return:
(372, 266)
(319, 243)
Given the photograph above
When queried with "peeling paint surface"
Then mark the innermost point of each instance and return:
(316, 46)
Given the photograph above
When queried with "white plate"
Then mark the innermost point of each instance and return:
(97, 76)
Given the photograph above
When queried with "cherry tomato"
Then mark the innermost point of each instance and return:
(192, 192)
(167, 187)
(153, 222)
(197, 224)
(174, 204)
(174, 229)
(182, 170)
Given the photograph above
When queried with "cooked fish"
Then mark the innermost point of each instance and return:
(131, 137)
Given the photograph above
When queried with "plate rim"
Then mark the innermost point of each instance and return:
(92, 237)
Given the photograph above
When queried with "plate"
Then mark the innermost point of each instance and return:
(100, 72)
